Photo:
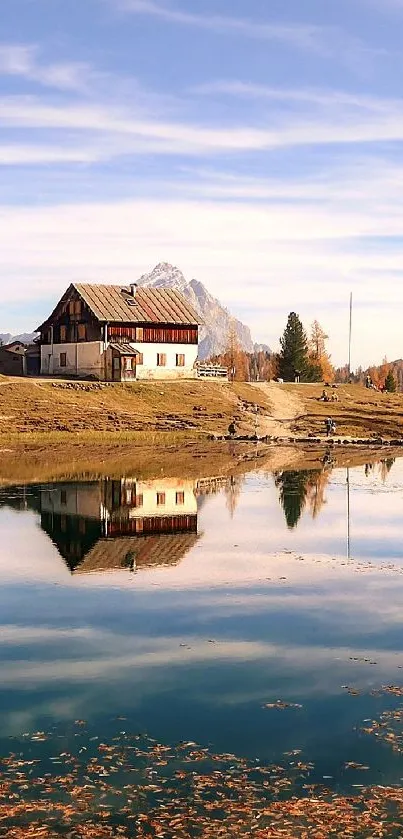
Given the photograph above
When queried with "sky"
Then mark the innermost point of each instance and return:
(256, 145)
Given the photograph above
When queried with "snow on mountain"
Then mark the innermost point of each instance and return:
(216, 318)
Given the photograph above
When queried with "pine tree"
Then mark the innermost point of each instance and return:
(294, 351)
(390, 383)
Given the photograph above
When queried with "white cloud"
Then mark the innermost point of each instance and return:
(18, 155)
(327, 98)
(22, 60)
(269, 257)
(126, 131)
(325, 41)
(298, 35)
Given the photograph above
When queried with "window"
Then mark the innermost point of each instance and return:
(180, 498)
(161, 359)
(63, 359)
(63, 497)
(82, 332)
(139, 358)
(77, 307)
(160, 499)
(180, 360)
(128, 363)
(71, 307)
(138, 501)
(63, 334)
(139, 333)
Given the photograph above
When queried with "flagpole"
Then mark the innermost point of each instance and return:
(349, 334)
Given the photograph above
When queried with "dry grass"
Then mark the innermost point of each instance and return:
(359, 413)
(196, 407)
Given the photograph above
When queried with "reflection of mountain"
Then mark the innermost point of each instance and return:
(299, 488)
(128, 524)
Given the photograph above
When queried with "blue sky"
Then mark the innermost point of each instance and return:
(256, 145)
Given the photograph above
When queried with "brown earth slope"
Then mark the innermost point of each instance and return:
(358, 412)
(193, 409)
(35, 405)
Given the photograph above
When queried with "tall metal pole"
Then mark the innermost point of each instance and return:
(348, 516)
(349, 334)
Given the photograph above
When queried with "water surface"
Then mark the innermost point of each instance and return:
(186, 607)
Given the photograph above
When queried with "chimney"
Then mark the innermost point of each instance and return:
(133, 287)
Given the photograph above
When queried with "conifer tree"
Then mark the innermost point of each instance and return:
(390, 383)
(293, 356)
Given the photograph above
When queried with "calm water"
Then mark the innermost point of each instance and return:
(185, 606)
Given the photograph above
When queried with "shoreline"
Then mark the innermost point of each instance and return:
(23, 462)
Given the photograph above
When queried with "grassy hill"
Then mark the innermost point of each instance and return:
(358, 413)
(195, 407)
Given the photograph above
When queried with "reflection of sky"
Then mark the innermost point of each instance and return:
(253, 613)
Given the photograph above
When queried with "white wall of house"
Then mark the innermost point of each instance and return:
(83, 359)
(149, 368)
(163, 497)
(73, 499)
(88, 359)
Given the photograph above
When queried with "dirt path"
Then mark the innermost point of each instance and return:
(285, 408)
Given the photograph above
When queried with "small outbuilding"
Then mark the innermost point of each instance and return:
(12, 359)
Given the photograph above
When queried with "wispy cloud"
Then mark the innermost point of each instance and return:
(310, 96)
(122, 132)
(23, 61)
(298, 35)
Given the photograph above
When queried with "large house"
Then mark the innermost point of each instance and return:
(120, 334)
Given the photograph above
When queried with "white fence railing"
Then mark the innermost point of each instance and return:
(211, 371)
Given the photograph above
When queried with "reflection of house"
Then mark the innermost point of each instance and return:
(109, 524)
(120, 334)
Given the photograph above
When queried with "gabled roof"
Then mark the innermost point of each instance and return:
(15, 347)
(147, 552)
(125, 349)
(116, 304)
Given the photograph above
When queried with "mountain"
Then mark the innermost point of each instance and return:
(216, 318)
(25, 338)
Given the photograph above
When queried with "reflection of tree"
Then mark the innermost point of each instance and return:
(299, 488)
(316, 491)
(232, 492)
(385, 467)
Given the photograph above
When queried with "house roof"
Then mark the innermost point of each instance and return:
(15, 347)
(125, 349)
(147, 552)
(116, 304)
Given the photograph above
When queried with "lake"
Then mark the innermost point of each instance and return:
(213, 657)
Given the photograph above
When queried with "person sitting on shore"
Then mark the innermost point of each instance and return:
(324, 397)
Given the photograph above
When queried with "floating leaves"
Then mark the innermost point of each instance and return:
(132, 787)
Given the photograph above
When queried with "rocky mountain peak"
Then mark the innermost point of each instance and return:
(215, 317)
(164, 275)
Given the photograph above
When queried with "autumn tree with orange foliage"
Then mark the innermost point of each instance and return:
(234, 356)
(318, 354)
